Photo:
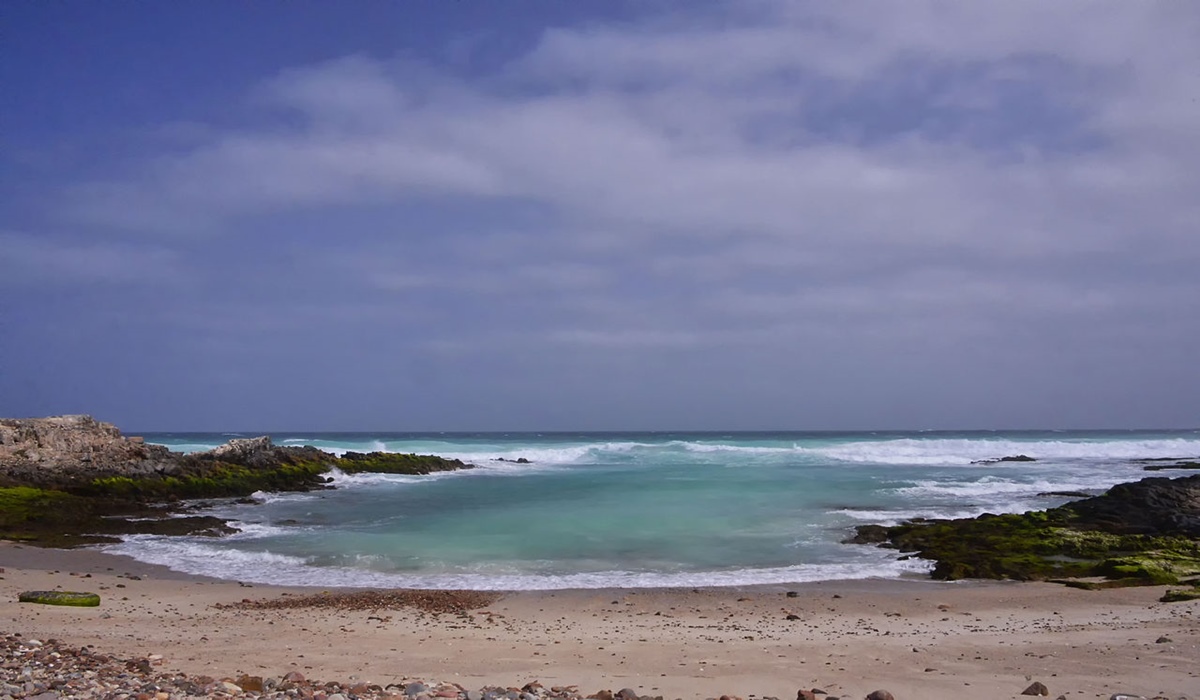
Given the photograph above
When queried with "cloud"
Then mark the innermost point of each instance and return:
(728, 183)
(48, 262)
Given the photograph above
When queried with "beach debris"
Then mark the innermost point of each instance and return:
(437, 602)
(75, 598)
(1036, 688)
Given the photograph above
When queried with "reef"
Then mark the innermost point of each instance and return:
(1141, 533)
(72, 480)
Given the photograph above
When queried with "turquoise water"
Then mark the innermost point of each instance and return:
(639, 509)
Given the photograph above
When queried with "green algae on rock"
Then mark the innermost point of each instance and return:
(396, 463)
(72, 480)
(74, 598)
(1181, 595)
(1142, 533)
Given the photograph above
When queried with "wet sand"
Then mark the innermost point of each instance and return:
(917, 639)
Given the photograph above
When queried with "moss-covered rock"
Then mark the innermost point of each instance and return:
(1181, 595)
(100, 508)
(394, 463)
(73, 598)
(1136, 534)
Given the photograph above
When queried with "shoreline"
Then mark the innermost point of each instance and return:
(917, 638)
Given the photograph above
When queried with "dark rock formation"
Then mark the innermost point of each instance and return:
(1152, 506)
(1145, 532)
(1161, 464)
(1010, 458)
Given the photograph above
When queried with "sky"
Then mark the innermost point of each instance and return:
(601, 215)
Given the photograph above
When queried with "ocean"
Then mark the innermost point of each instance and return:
(639, 510)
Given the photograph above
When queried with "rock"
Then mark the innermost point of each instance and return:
(412, 690)
(1180, 595)
(240, 448)
(805, 695)
(39, 451)
(627, 694)
(228, 687)
(1151, 506)
(1126, 696)
(1191, 464)
(880, 695)
(1130, 535)
(602, 695)
(793, 594)
(74, 598)
(868, 534)
(1010, 458)
(251, 683)
(1164, 640)
(1036, 688)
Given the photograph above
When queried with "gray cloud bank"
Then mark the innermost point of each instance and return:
(844, 215)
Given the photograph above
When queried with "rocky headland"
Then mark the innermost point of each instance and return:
(72, 480)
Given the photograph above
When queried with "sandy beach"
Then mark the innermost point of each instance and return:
(914, 638)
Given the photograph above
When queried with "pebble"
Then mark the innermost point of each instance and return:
(37, 670)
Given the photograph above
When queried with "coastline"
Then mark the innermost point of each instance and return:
(915, 638)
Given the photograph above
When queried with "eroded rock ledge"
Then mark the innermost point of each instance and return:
(64, 478)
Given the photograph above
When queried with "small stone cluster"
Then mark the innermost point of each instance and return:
(31, 669)
(35, 670)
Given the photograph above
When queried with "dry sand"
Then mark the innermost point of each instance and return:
(918, 639)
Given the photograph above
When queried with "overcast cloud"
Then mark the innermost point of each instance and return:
(748, 215)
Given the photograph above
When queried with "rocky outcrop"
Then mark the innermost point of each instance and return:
(1145, 532)
(241, 449)
(69, 480)
(394, 463)
(81, 454)
(64, 449)
(1152, 506)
